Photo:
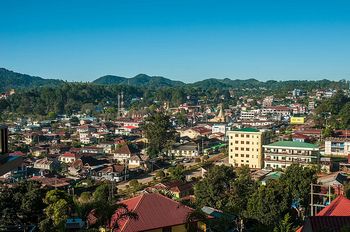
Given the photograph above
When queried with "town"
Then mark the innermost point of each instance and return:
(197, 166)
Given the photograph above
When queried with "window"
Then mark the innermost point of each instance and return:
(236, 135)
(236, 142)
(242, 142)
(247, 161)
(236, 155)
(247, 136)
(231, 156)
(242, 135)
(242, 148)
(242, 155)
(247, 156)
(231, 144)
(236, 148)
(247, 148)
(166, 229)
(247, 142)
(231, 150)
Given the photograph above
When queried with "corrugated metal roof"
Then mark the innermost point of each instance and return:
(338, 207)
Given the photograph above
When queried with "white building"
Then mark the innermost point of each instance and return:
(282, 154)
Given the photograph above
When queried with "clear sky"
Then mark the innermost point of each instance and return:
(184, 40)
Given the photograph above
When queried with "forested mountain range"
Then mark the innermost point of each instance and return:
(10, 79)
(138, 80)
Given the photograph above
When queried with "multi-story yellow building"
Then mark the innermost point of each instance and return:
(245, 147)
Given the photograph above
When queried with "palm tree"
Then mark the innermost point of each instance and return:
(110, 216)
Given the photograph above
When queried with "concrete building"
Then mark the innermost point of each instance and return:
(282, 154)
(245, 147)
(337, 146)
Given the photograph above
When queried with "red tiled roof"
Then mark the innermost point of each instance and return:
(300, 136)
(338, 207)
(154, 211)
(69, 154)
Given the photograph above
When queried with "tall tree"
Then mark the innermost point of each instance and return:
(159, 133)
(214, 189)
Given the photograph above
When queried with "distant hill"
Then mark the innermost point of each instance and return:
(138, 80)
(10, 79)
(227, 83)
(110, 80)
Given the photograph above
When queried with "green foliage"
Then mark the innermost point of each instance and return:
(59, 207)
(285, 225)
(347, 190)
(335, 110)
(297, 180)
(159, 133)
(268, 204)
(134, 184)
(21, 204)
(160, 174)
(214, 189)
(101, 193)
(10, 79)
(241, 190)
(177, 173)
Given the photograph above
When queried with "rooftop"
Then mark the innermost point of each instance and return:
(247, 130)
(293, 144)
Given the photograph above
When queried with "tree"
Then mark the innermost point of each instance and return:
(59, 207)
(268, 204)
(134, 184)
(159, 133)
(327, 132)
(285, 225)
(101, 193)
(242, 189)
(160, 174)
(177, 173)
(110, 216)
(297, 180)
(214, 189)
(21, 203)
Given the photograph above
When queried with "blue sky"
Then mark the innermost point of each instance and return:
(182, 40)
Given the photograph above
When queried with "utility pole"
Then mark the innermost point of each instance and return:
(312, 200)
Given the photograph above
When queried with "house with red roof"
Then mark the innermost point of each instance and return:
(335, 217)
(68, 157)
(156, 213)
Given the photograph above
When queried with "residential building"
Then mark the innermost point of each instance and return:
(282, 154)
(337, 146)
(156, 213)
(218, 128)
(245, 147)
(114, 172)
(68, 157)
(125, 151)
(46, 164)
(334, 217)
(190, 149)
(196, 132)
